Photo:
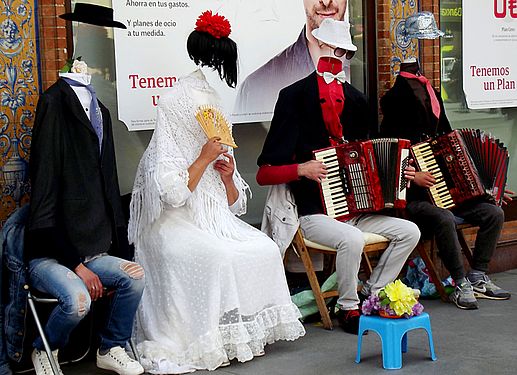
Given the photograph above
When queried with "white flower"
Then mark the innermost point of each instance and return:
(79, 67)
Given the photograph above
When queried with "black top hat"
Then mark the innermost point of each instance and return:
(93, 15)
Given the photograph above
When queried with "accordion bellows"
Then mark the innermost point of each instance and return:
(215, 124)
(466, 163)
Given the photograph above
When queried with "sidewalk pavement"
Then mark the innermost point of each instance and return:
(482, 341)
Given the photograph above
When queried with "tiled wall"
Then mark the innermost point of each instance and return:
(394, 47)
(32, 49)
(19, 90)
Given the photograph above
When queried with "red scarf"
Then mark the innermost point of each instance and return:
(332, 98)
(435, 104)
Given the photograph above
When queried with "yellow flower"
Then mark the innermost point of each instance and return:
(401, 297)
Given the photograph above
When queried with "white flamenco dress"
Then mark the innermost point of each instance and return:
(215, 286)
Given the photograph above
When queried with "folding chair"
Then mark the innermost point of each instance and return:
(80, 340)
(304, 247)
(31, 299)
(34, 298)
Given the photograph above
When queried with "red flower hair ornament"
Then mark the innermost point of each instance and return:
(213, 24)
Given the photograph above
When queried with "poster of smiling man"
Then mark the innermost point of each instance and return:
(151, 54)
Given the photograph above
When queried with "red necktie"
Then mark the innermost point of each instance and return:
(435, 105)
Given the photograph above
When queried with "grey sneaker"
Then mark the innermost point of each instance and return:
(485, 288)
(463, 297)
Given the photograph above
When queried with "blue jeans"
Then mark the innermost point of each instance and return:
(441, 223)
(124, 277)
(4, 363)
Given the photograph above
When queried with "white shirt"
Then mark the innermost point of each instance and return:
(84, 96)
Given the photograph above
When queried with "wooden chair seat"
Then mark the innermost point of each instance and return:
(369, 239)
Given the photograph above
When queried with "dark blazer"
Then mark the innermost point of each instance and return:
(298, 129)
(404, 116)
(75, 199)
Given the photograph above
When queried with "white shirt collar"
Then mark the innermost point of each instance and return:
(83, 78)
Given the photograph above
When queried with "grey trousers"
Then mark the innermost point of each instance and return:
(441, 223)
(347, 238)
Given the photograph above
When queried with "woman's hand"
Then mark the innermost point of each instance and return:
(424, 179)
(225, 168)
(211, 150)
(313, 169)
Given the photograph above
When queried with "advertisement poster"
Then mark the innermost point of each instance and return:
(151, 54)
(490, 53)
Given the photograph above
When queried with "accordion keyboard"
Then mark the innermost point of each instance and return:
(332, 185)
(427, 163)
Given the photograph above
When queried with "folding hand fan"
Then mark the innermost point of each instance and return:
(215, 124)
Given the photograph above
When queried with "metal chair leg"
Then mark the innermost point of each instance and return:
(53, 364)
(133, 349)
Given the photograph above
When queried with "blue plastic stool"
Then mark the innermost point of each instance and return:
(393, 334)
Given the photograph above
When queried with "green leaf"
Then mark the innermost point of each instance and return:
(66, 68)
(69, 63)
(385, 301)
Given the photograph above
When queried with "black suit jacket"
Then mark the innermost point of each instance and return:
(298, 129)
(75, 198)
(406, 117)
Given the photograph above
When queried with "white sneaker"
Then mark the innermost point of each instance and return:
(42, 364)
(117, 360)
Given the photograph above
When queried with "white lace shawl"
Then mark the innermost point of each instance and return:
(162, 176)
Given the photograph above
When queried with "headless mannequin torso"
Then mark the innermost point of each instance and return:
(410, 66)
(84, 96)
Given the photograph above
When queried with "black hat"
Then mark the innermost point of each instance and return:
(93, 15)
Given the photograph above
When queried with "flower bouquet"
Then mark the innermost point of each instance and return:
(395, 300)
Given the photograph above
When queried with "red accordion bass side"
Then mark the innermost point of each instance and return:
(466, 163)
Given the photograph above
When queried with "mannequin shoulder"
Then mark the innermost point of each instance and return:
(171, 96)
(353, 94)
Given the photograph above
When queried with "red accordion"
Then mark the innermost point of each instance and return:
(364, 176)
(466, 163)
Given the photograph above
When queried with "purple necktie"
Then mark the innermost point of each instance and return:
(95, 111)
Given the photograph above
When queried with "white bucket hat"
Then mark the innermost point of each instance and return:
(335, 33)
(422, 25)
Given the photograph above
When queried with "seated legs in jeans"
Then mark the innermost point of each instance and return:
(124, 277)
(441, 224)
